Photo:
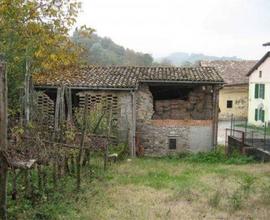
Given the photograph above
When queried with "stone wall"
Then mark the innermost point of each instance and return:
(190, 135)
(154, 134)
(144, 104)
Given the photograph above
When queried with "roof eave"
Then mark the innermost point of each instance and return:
(235, 84)
(182, 82)
(259, 63)
(86, 88)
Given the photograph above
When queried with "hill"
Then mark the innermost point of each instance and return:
(182, 58)
(103, 51)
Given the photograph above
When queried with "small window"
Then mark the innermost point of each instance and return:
(172, 143)
(259, 91)
(260, 74)
(229, 103)
(259, 114)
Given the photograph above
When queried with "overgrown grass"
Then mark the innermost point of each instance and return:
(180, 187)
(51, 202)
(214, 156)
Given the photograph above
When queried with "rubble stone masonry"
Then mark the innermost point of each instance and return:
(190, 134)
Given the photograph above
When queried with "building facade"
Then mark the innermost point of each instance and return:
(259, 92)
(233, 97)
(160, 110)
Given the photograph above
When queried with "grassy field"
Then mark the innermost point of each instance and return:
(165, 189)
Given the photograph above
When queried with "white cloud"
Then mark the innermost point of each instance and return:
(159, 27)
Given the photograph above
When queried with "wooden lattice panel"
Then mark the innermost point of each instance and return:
(108, 101)
(45, 107)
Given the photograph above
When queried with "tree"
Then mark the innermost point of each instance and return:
(165, 62)
(103, 51)
(36, 32)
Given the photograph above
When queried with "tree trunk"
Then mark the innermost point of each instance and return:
(3, 143)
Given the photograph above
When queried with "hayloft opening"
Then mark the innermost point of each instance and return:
(181, 102)
(169, 92)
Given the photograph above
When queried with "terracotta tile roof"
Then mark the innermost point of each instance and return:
(125, 76)
(233, 72)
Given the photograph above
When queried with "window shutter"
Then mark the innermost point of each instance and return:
(262, 117)
(256, 114)
(256, 91)
(262, 88)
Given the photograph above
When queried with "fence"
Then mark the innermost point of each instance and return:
(248, 139)
(250, 135)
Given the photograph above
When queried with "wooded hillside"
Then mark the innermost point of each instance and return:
(103, 51)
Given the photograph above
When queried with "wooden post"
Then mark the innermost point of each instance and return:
(133, 126)
(82, 144)
(57, 109)
(27, 93)
(106, 153)
(3, 142)
(69, 104)
(215, 115)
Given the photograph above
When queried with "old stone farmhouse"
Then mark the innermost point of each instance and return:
(233, 97)
(164, 109)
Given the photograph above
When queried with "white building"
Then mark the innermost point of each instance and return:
(259, 92)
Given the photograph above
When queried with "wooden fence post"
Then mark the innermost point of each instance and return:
(79, 161)
(3, 142)
(27, 93)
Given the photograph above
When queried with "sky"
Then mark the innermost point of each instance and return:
(160, 27)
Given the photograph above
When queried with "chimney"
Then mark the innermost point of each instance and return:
(266, 44)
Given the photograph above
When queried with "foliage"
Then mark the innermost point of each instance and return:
(97, 119)
(50, 202)
(121, 150)
(36, 32)
(103, 51)
(242, 193)
(162, 185)
(214, 156)
(236, 200)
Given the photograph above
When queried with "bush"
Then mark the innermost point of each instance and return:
(121, 150)
(236, 200)
(214, 156)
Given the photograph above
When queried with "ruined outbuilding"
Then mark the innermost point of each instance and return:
(164, 109)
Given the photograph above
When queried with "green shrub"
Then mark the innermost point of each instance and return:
(246, 185)
(214, 156)
(121, 150)
(236, 200)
